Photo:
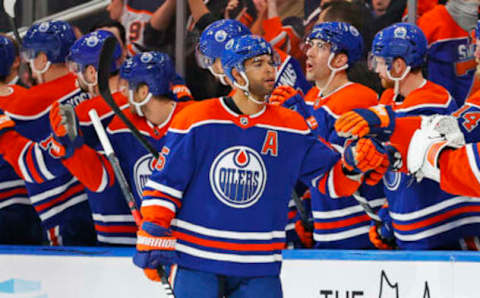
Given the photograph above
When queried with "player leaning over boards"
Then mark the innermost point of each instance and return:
(222, 193)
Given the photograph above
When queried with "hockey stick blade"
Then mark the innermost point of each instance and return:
(103, 77)
(9, 7)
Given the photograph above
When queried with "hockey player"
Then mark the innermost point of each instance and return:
(212, 43)
(61, 202)
(150, 76)
(225, 200)
(333, 47)
(420, 215)
(19, 223)
(450, 60)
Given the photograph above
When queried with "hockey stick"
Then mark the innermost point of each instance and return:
(306, 221)
(9, 7)
(103, 77)
(122, 181)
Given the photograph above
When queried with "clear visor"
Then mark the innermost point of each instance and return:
(28, 54)
(316, 44)
(376, 63)
(74, 67)
(203, 61)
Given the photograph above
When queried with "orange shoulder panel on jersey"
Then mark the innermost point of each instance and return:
(40, 97)
(353, 96)
(405, 127)
(474, 99)
(99, 104)
(311, 96)
(438, 24)
(208, 109)
(279, 116)
(139, 122)
(457, 174)
(430, 93)
(17, 95)
(387, 97)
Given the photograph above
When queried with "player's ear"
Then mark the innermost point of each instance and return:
(142, 91)
(90, 73)
(42, 58)
(398, 67)
(238, 78)
(340, 60)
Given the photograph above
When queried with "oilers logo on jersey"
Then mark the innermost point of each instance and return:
(142, 170)
(392, 180)
(238, 177)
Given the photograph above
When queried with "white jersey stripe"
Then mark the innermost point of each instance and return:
(22, 166)
(228, 257)
(342, 235)
(117, 240)
(166, 189)
(15, 200)
(346, 211)
(227, 234)
(159, 202)
(52, 192)
(59, 208)
(472, 161)
(41, 163)
(113, 217)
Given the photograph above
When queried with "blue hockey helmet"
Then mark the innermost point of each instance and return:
(214, 37)
(54, 38)
(401, 40)
(154, 69)
(7, 55)
(477, 30)
(343, 38)
(86, 51)
(239, 49)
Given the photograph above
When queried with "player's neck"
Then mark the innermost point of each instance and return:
(159, 110)
(55, 71)
(114, 83)
(411, 82)
(13, 74)
(247, 106)
(338, 81)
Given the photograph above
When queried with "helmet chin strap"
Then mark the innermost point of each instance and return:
(245, 90)
(138, 105)
(220, 77)
(332, 74)
(39, 72)
(396, 81)
(90, 86)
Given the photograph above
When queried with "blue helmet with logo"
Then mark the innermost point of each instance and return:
(154, 69)
(54, 38)
(7, 55)
(343, 38)
(215, 37)
(477, 30)
(86, 51)
(401, 40)
(239, 49)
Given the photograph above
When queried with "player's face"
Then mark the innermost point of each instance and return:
(318, 53)
(261, 73)
(380, 6)
(115, 8)
(380, 67)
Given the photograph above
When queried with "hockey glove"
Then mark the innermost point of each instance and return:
(155, 247)
(305, 236)
(6, 123)
(381, 234)
(285, 96)
(363, 155)
(179, 91)
(65, 128)
(378, 121)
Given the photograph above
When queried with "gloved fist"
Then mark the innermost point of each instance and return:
(65, 128)
(285, 96)
(305, 236)
(374, 176)
(155, 247)
(6, 123)
(381, 234)
(363, 155)
(378, 121)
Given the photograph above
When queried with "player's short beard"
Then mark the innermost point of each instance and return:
(259, 91)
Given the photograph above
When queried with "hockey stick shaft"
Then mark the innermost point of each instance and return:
(122, 181)
(306, 222)
(105, 60)
(103, 78)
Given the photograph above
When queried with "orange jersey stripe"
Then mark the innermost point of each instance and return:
(159, 194)
(436, 219)
(342, 223)
(12, 192)
(115, 229)
(70, 192)
(228, 245)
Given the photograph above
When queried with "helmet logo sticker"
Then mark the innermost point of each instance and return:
(92, 41)
(229, 44)
(400, 32)
(146, 57)
(43, 27)
(354, 31)
(221, 36)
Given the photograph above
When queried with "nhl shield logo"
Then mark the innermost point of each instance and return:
(238, 177)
